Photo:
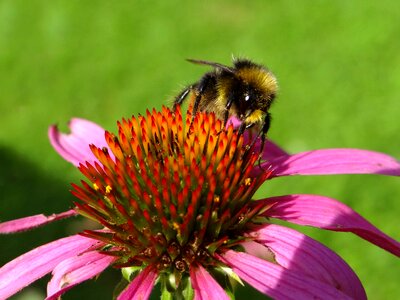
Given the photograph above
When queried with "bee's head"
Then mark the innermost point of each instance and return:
(257, 86)
(251, 97)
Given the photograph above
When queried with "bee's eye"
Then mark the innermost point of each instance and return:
(246, 97)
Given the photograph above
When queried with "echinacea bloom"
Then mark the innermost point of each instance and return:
(174, 198)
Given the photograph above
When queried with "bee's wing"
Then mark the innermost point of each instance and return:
(209, 63)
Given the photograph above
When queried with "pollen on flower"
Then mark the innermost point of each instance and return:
(176, 226)
(169, 191)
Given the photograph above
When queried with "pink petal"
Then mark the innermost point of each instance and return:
(75, 270)
(258, 249)
(140, 288)
(233, 121)
(74, 147)
(276, 281)
(32, 222)
(295, 251)
(36, 263)
(330, 214)
(204, 285)
(271, 151)
(333, 161)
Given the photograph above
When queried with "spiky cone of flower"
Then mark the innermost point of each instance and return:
(171, 195)
(175, 203)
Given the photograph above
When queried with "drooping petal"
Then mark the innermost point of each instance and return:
(140, 288)
(295, 251)
(204, 285)
(272, 151)
(74, 146)
(36, 263)
(27, 223)
(333, 161)
(276, 281)
(75, 270)
(330, 214)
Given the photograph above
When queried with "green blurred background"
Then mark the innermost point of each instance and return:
(338, 65)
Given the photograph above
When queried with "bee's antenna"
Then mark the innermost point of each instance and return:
(210, 63)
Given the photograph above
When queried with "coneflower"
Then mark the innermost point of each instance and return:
(174, 198)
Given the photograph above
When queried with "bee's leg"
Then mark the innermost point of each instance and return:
(263, 135)
(242, 127)
(182, 96)
(201, 87)
(267, 123)
(264, 130)
(228, 107)
(226, 115)
(250, 125)
(226, 112)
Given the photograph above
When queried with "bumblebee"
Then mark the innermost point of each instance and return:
(246, 90)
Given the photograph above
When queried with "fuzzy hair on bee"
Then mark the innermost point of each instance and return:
(246, 91)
